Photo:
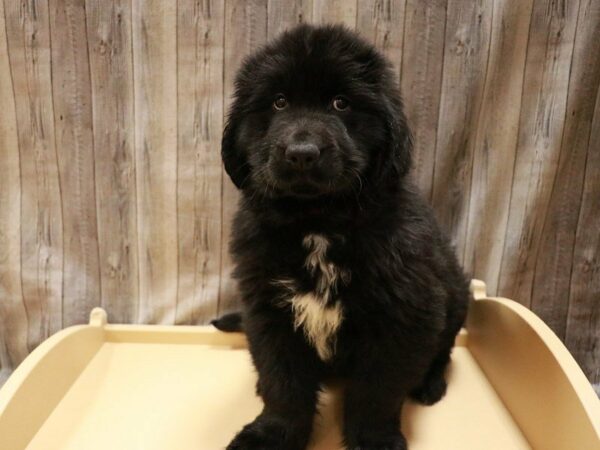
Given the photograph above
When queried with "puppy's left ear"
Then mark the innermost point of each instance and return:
(398, 157)
(234, 160)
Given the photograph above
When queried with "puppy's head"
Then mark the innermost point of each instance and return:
(315, 113)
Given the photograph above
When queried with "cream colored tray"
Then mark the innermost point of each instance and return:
(512, 385)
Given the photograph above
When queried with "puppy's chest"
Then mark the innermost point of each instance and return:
(314, 294)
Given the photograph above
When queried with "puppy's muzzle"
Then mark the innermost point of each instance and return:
(302, 156)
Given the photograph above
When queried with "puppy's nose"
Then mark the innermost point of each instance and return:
(302, 156)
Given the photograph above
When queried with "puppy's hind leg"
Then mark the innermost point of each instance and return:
(434, 385)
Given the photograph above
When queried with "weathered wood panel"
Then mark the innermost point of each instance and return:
(554, 263)
(468, 27)
(13, 317)
(424, 28)
(544, 99)
(110, 50)
(112, 191)
(28, 38)
(72, 98)
(583, 317)
(283, 15)
(155, 91)
(335, 11)
(199, 177)
(496, 138)
(382, 22)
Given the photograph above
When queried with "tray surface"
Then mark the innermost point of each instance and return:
(512, 385)
(164, 396)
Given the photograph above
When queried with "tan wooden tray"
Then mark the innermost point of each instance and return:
(512, 385)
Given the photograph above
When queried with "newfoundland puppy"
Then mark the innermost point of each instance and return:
(342, 269)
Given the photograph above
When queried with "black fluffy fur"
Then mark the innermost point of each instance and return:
(406, 297)
(229, 322)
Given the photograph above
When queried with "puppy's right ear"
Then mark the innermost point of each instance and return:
(234, 160)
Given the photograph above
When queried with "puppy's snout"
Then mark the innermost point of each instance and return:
(302, 155)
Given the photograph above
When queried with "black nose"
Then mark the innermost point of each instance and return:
(302, 156)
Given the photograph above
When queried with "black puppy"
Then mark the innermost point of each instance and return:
(341, 266)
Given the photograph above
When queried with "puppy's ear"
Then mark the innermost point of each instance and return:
(234, 160)
(397, 159)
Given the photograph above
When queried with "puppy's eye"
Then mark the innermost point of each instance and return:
(340, 103)
(280, 102)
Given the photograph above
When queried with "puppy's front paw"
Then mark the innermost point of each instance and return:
(258, 435)
(265, 434)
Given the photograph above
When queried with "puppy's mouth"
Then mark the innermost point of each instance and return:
(306, 185)
(306, 190)
(302, 188)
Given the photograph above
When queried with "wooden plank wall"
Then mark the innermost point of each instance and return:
(112, 191)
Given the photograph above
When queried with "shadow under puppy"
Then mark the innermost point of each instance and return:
(341, 266)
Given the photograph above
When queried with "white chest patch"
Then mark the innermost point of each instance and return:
(319, 319)
(320, 322)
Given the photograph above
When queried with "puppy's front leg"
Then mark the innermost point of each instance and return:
(372, 413)
(288, 383)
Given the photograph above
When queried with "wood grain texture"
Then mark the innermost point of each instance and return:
(554, 262)
(544, 99)
(112, 190)
(335, 11)
(155, 91)
(583, 315)
(466, 50)
(283, 15)
(13, 316)
(199, 176)
(421, 79)
(110, 51)
(245, 30)
(72, 98)
(41, 219)
(495, 141)
(382, 23)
